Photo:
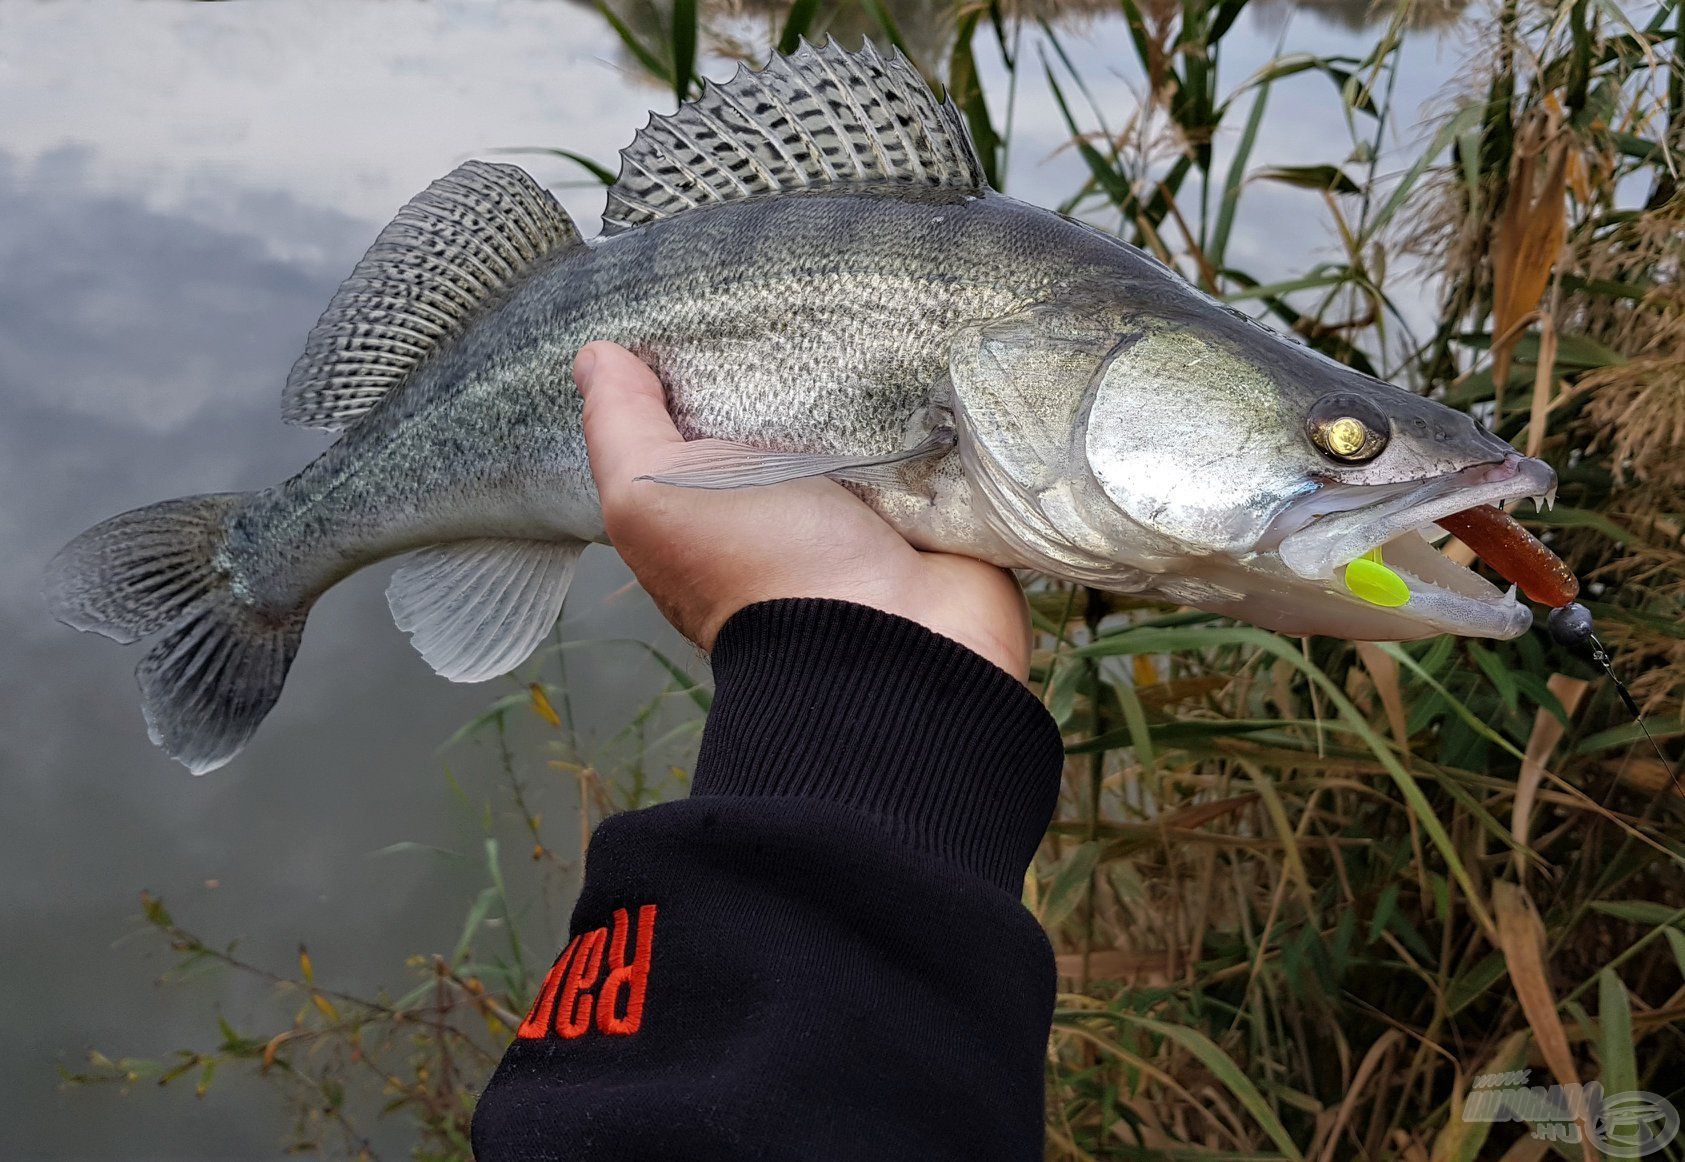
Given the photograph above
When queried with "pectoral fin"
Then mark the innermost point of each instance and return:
(720, 464)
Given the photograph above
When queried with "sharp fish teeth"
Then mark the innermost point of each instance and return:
(1509, 595)
(1550, 497)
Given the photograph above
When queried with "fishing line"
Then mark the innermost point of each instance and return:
(1570, 627)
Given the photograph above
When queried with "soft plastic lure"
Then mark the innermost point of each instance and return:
(1516, 554)
(1496, 538)
(1369, 578)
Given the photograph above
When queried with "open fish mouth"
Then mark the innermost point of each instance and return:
(1319, 535)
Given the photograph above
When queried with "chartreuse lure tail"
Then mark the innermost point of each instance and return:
(1372, 581)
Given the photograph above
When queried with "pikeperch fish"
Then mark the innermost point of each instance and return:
(811, 261)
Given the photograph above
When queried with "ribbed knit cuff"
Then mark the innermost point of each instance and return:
(828, 700)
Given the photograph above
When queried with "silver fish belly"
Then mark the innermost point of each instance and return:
(810, 260)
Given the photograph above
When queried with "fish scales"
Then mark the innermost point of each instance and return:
(825, 288)
(801, 324)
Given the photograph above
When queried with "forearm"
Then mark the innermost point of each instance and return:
(833, 961)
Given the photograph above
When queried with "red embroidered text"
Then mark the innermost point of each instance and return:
(571, 1001)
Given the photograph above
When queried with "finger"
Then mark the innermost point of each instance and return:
(626, 420)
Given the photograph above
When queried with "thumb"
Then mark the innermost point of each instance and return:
(626, 420)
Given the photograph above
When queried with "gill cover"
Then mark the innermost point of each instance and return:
(1021, 389)
(1194, 439)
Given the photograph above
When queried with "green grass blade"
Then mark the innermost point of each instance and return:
(1070, 884)
(1614, 1027)
(652, 63)
(966, 90)
(684, 48)
(1236, 178)
(602, 173)
(1224, 1069)
(797, 25)
(890, 28)
(1460, 123)
(1168, 641)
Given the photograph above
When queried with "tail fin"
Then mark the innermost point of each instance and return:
(219, 667)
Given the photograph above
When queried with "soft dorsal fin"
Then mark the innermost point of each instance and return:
(453, 251)
(819, 118)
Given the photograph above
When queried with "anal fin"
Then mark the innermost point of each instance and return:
(722, 464)
(478, 608)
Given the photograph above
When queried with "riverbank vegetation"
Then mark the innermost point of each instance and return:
(1302, 893)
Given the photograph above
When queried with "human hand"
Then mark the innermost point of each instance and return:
(703, 555)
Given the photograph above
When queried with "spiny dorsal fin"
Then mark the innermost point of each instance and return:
(819, 118)
(448, 255)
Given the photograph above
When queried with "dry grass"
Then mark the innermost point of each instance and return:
(1301, 894)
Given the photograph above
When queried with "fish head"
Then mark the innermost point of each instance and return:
(1207, 459)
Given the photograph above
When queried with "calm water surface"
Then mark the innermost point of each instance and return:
(181, 188)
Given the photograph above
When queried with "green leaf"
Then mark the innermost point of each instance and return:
(1629, 734)
(684, 48)
(1237, 173)
(887, 25)
(1272, 290)
(1498, 673)
(1676, 940)
(599, 172)
(1384, 909)
(1170, 734)
(1567, 516)
(487, 717)
(1070, 884)
(1286, 65)
(1311, 177)
(1061, 692)
(1222, 1067)
(471, 925)
(1572, 351)
(1470, 986)
(1135, 719)
(697, 692)
(1227, 12)
(1638, 911)
(1638, 148)
(797, 25)
(649, 60)
(1608, 287)
(1614, 1027)
(1664, 626)
(1468, 717)
(1111, 182)
(1535, 688)
(1162, 641)
(1458, 124)
(966, 91)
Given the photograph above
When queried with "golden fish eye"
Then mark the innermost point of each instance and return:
(1345, 436)
(1348, 428)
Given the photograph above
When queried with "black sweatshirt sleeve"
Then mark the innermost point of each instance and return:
(821, 953)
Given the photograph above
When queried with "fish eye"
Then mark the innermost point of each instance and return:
(1347, 429)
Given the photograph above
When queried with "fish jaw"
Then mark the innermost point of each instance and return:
(1295, 581)
(1314, 541)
